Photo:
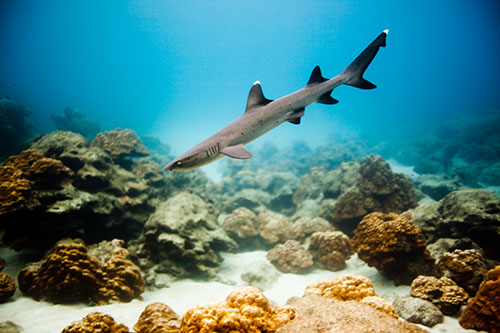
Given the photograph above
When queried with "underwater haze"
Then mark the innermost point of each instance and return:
(181, 70)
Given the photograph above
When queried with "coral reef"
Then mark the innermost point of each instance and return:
(437, 186)
(351, 288)
(483, 311)
(473, 214)
(15, 129)
(64, 185)
(443, 292)
(331, 249)
(120, 143)
(377, 189)
(306, 226)
(244, 310)
(96, 322)
(181, 238)
(158, 318)
(7, 287)
(77, 122)
(70, 274)
(275, 228)
(466, 267)
(418, 311)
(393, 245)
(321, 314)
(242, 226)
(290, 257)
(260, 274)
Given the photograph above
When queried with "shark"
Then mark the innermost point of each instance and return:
(262, 115)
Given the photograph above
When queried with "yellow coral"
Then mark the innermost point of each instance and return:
(96, 322)
(244, 310)
(351, 288)
(157, 318)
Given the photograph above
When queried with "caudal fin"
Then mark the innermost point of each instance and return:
(354, 72)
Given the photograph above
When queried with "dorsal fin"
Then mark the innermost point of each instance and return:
(316, 76)
(256, 97)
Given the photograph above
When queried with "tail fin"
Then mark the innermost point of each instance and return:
(354, 72)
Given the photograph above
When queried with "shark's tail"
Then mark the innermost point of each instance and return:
(354, 72)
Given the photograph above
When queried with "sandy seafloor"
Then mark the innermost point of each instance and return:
(46, 317)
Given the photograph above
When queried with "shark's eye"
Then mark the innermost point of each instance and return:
(178, 163)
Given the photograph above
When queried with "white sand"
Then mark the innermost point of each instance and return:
(44, 317)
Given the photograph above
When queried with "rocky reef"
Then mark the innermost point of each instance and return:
(15, 127)
(77, 122)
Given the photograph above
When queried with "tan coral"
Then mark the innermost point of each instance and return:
(276, 228)
(158, 318)
(242, 222)
(351, 288)
(120, 143)
(96, 322)
(244, 310)
(394, 245)
(7, 287)
(290, 257)
(483, 311)
(443, 292)
(331, 248)
(20, 175)
(70, 274)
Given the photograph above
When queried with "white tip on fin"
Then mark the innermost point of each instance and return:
(386, 31)
(256, 82)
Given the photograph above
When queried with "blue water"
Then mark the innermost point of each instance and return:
(181, 70)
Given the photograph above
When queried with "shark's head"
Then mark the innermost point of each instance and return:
(194, 158)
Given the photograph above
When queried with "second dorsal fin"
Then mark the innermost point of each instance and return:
(256, 97)
(316, 76)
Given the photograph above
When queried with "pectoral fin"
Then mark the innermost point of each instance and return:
(236, 151)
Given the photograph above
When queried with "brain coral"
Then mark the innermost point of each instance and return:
(70, 274)
(443, 292)
(483, 311)
(351, 288)
(157, 318)
(394, 245)
(96, 322)
(290, 257)
(22, 174)
(331, 248)
(244, 310)
(7, 287)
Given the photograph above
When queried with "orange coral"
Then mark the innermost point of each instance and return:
(70, 274)
(244, 310)
(331, 248)
(351, 288)
(25, 172)
(7, 287)
(443, 292)
(483, 311)
(394, 245)
(157, 318)
(96, 322)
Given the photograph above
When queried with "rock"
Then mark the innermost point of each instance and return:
(241, 224)
(290, 257)
(260, 274)
(70, 274)
(77, 122)
(158, 318)
(444, 245)
(244, 310)
(473, 214)
(393, 245)
(120, 143)
(418, 311)
(466, 267)
(443, 292)
(376, 189)
(438, 186)
(331, 249)
(10, 327)
(182, 238)
(322, 314)
(96, 322)
(275, 228)
(483, 310)
(7, 287)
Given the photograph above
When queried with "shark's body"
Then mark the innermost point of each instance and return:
(262, 115)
